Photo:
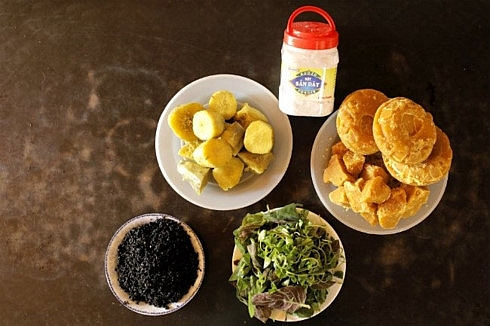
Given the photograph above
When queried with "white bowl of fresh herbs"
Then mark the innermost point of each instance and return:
(288, 264)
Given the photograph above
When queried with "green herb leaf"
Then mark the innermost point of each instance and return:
(287, 263)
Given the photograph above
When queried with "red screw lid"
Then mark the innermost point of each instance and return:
(311, 35)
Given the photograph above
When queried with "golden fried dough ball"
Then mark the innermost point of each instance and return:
(355, 120)
(404, 131)
(430, 171)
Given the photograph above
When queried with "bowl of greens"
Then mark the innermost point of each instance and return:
(288, 264)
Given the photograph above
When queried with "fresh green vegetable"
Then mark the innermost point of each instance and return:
(287, 263)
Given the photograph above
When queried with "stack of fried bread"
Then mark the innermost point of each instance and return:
(389, 152)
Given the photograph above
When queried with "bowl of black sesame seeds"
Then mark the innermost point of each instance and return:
(154, 264)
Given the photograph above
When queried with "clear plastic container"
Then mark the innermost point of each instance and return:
(309, 66)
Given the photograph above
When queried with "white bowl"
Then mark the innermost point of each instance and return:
(112, 276)
(320, 155)
(333, 291)
(250, 190)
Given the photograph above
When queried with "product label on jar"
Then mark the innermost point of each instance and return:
(311, 81)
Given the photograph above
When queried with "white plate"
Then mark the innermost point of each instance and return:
(247, 192)
(111, 263)
(333, 291)
(320, 155)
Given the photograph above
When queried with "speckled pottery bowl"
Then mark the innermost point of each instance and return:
(113, 255)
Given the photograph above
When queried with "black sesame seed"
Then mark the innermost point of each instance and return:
(157, 263)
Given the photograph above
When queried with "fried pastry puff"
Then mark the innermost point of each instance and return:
(404, 131)
(355, 120)
(425, 173)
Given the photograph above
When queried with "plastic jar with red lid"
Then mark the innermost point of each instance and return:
(309, 65)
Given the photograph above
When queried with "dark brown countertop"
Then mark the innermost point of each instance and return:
(82, 85)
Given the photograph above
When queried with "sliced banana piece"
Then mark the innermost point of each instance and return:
(229, 175)
(188, 148)
(180, 120)
(259, 137)
(247, 114)
(233, 134)
(213, 153)
(223, 102)
(257, 163)
(196, 175)
(208, 124)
